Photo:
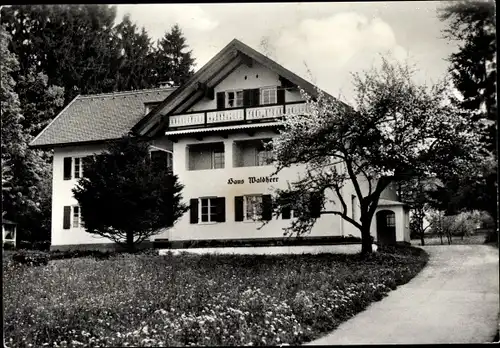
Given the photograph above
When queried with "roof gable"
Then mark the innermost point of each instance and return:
(212, 73)
(91, 118)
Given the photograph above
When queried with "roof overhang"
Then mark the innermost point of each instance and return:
(210, 75)
(222, 130)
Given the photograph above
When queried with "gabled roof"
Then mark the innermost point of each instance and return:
(230, 57)
(93, 118)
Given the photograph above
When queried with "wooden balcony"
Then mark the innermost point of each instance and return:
(210, 118)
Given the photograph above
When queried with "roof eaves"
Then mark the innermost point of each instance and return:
(180, 89)
(32, 143)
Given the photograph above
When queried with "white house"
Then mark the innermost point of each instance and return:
(211, 129)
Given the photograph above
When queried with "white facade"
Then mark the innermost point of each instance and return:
(62, 195)
(219, 166)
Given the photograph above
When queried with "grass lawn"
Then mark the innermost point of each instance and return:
(141, 300)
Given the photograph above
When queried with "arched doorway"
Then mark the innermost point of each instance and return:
(386, 227)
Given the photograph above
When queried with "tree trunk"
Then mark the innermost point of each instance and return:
(366, 240)
(421, 228)
(441, 236)
(130, 241)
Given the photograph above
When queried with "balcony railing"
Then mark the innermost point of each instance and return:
(236, 115)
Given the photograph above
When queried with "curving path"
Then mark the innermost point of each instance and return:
(454, 299)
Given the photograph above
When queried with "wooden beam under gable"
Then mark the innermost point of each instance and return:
(245, 59)
(214, 80)
(225, 72)
(203, 75)
(286, 83)
(208, 92)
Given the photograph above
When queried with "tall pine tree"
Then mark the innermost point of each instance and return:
(174, 61)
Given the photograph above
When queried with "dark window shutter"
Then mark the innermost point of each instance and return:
(315, 205)
(280, 95)
(286, 213)
(67, 168)
(247, 97)
(67, 218)
(256, 97)
(193, 210)
(238, 208)
(267, 207)
(221, 100)
(221, 209)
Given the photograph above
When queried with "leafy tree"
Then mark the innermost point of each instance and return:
(27, 170)
(472, 24)
(398, 129)
(175, 63)
(125, 197)
(417, 193)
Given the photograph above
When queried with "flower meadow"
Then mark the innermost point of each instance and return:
(193, 300)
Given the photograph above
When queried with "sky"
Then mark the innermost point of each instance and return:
(323, 42)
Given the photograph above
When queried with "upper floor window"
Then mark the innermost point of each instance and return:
(264, 156)
(250, 153)
(234, 99)
(73, 167)
(206, 156)
(217, 158)
(268, 96)
(78, 168)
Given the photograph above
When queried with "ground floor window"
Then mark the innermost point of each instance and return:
(76, 217)
(207, 210)
(252, 207)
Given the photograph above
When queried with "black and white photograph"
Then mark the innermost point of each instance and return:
(249, 174)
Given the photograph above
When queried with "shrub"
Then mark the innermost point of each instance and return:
(31, 257)
(70, 254)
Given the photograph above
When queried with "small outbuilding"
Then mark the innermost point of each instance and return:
(9, 232)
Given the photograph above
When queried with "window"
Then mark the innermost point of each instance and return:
(268, 96)
(205, 156)
(354, 206)
(78, 167)
(252, 207)
(217, 159)
(208, 211)
(391, 220)
(76, 216)
(234, 99)
(264, 156)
